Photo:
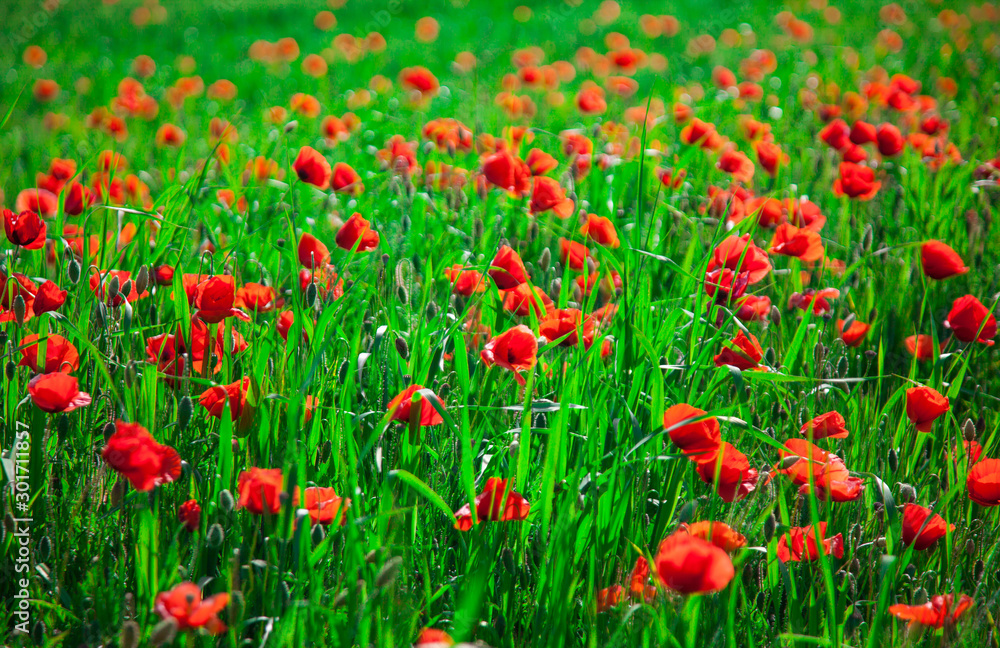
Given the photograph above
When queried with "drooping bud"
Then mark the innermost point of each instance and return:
(216, 536)
(402, 349)
(226, 501)
(142, 279)
(73, 271)
(19, 310)
(893, 460)
(184, 410)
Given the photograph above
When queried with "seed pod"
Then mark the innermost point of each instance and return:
(73, 271)
(184, 410)
(402, 349)
(770, 526)
(226, 501)
(130, 635)
(216, 536)
(388, 573)
(545, 260)
(164, 632)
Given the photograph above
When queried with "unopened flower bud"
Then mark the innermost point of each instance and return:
(184, 410)
(226, 501)
(73, 271)
(216, 536)
(164, 632)
(893, 460)
(770, 526)
(130, 635)
(402, 349)
(19, 310)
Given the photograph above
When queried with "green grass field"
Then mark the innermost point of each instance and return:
(676, 329)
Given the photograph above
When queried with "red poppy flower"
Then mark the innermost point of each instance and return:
(601, 231)
(697, 439)
(507, 269)
(921, 532)
(854, 334)
(804, 461)
(189, 514)
(970, 321)
(326, 280)
(256, 297)
(76, 199)
(260, 490)
(214, 399)
(817, 299)
(770, 156)
(215, 299)
(60, 354)
(940, 611)
(730, 472)
(548, 195)
(312, 252)
(924, 405)
(753, 308)
(573, 254)
(494, 504)
(805, 543)
(826, 426)
(400, 407)
(48, 298)
(744, 354)
(720, 534)
(863, 133)
(690, 565)
(983, 482)
(465, 281)
(567, 322)
(185, 606)
(25, 229)
(802, 243)
(134, 453)
(610, 597)
(522, 299)
(312, 168)
(540, 162)
(433, 638)
(323, 504)
(698, 132)
(736, 164)
(346, 180)
(939, 261)
(506, 171)
(856, 181)
(836, 134)
(739, 254)
(41, 201)
(357, 231)
(56, 392)
(515, 349)
(419, 79)
(889, 140)
(923, 347)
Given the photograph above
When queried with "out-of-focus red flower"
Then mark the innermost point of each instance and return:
(939, 261)
(924, 405)
(400, 407)
(601, 231)
(215, 299)
(802, 243)
(690, 565)
(60, 354)
(805, 544)
(569, 322)
(506, 171)
(921, 528)
(214, 400)
(25, 229)
(260, 490)
(863, 133)
(548, 195)
(312, 168)
(922, 347)
(826, 426)
(889, 140)
(739, 254)
(856, 181)
(185, 606)
(983, 482)
(494, 504)
(134, 453)
(465, 281)
(720, 534)
(744, 354)
(939, 612)
(256, 297)
(433, 638)
(515, 349)
(357, 231)
(189, 514)
(507, 269)
(540, 162)
(323, 504)
(970, 321)
(56, 392)
(312, 252)
(736, 164)
(854, 334)
(770, 156)
(818, 300)
(729, 470)
(346, 180)
(523, 299)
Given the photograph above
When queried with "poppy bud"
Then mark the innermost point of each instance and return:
(775, 315)
(318, 534)
(907, 493)
(216, 536)
(372, 556)
(919, 596)
(978, 570)
(38, 633)
(291, 126)
(514, 449)
(432, 310)
(388, 573)
(285, 593)
(770, 526)
(19, 309)
(226, 501)
(113, 288)
(855, 566)
(117, 493)
(342, 372)
(970, 547)
(893, 460)
(9, 525)
(507, 560)
(164, 632)
(866, 239)
(9, 369)
(184, 409)
(819, 353)
(100, 315)
(402, 349)
(73, 270)
(402, 295)
(341, 598)
(477, 228)
(130, 635)
(969, 430)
